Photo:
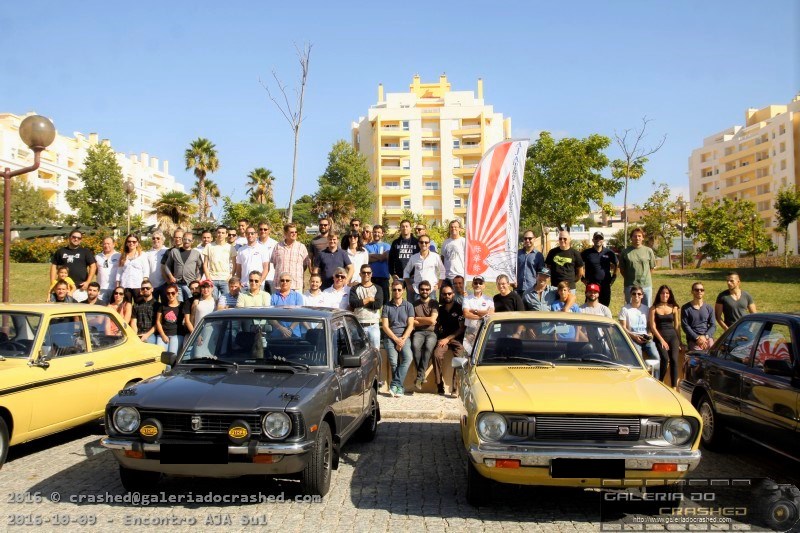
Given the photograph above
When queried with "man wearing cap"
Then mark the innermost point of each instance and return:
(542, 295)
(600, 267)
(564, 262)
(476, 306)
(529, 262)
(592, 306)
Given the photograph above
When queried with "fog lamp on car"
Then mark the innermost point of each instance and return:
(239, 432)
(677, 431)
(150, 430)
(126, 419)
(491, 426)
(276, 425)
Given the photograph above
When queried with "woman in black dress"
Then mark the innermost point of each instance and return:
(665, 325)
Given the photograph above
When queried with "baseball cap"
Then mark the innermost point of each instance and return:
(479, 278)
(206, 283)
(544, 272)
(598, 235)
(593, 287)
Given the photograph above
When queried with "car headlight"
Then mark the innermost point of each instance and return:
(126, 419)
(491, 426)
(276, 425)
(677, 431)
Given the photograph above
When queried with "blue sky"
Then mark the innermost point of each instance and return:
(153, 76)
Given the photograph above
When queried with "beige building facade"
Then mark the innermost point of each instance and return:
(63, 160)
(752, 162)
(422, 148)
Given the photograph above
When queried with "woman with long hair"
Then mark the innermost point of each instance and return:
(665, 320)
(133, 267)
(169, 320)
(354, 247)
(121, 303)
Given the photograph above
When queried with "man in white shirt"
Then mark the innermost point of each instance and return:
(241, 240)
(338, 294)
(251, 257)
(218, 261)
(453, 253)
(107, 262)
(425, 265)
(476, 306)
(154, 259)
(314, 297)
(268, 245)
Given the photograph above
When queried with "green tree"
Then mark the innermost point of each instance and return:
(724, 225)
(260, 186)
(29, 205)
(202, 157)
(658, 218)
(787, 211)
(631, 166)
(232, 212)
(344, 189)
(173, 209)
(102, 200)
(211, 193)
(303, 214)
(562, 178)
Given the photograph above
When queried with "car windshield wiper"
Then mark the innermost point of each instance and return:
(528, 360)
(283, 362)
(210, 359)
(596, 360)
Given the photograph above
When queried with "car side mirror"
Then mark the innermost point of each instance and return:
(43, 361)
(777, 367)
(458, 362)
(350, 361)
(169, 358)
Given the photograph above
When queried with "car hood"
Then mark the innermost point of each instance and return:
(201, 389)
(577, 390)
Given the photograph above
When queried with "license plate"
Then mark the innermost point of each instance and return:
(194, 453)
(587, 468)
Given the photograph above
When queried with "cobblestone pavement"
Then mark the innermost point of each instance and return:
(411, 478)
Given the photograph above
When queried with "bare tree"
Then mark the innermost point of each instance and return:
(632, 166)
(292, 114)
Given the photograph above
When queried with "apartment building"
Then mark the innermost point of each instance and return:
(63, 160)
(752, 162)
(422, 147)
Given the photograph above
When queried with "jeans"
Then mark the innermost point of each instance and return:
(438, 359)
(646, 299)
(423, 342)
(185, 293)
(651, 353)
(399, 369)
(220, 288)
(154, 339)
(373, 332)
(174, 343)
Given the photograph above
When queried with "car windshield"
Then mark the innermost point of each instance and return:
(17, 333)
(257, 341)
(555, 343)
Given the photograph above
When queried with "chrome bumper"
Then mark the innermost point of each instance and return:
(113, 443)
(635, 459)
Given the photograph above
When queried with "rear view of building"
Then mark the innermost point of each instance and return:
(422, 147)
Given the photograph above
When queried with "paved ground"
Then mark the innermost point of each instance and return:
(411, 478)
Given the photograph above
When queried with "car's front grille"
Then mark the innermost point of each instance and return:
(185, 425)
(567, 428)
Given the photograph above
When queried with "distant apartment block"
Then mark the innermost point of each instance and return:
(63, 160)
(422, 147)
(752, 162)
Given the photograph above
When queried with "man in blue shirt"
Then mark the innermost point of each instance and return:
(529, 262)
(379, 260)
(285, 295)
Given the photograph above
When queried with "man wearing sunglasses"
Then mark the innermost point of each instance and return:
(366, 300)
(529, 262)
(143, 320)
(155, 260)
(320, 242)
(565, 262)
(337, 296)
(290, 255)
(476, 306)
(79, 260)
(107, 262)
(424, 265)
(254, 296)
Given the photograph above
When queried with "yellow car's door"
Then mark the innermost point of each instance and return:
(63, 370)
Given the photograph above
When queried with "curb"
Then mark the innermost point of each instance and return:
(416, 414)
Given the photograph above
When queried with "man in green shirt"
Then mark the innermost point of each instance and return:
(636, 263)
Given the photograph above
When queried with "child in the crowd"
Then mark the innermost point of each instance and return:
(62, 274)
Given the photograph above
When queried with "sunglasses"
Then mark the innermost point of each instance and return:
(171, 293)
(254, 280)
(147, 288)
(527, 238)
(477, 283)
(250, 233)
(76, 237)
(366, 272)
(397, 290)
(447, 294)
(699, 290)
(131, 242)
(563, 238)
(637, 294)
(285, 280)
(263, 229)
(424, 242)
(119, 293)
(340, 276)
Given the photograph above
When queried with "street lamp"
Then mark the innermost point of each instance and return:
(754, 216)
(683, 206)
(129, 188)
(37, 132)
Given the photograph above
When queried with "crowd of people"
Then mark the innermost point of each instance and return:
(410, 298)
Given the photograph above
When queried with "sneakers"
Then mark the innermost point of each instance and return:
(392, 392)
(418, 384)
(396, 391)
(400, 391)
(440, 389)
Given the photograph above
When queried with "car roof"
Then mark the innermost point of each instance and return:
(547, 315)
(280, 311)
(53, 308)
(793, 316)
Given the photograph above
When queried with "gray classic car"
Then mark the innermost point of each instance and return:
(254, 391)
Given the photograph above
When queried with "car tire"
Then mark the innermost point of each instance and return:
(4, 439)
(369, 428)
(714, 435)
(479, 489)
(316, 477)
(138, 480)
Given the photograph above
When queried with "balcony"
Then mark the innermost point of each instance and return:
(467, 129)
(386, 151)
(393, 131)
(431, 171)
(465, 170)
(395, 172)
(45, 184)
(475, 149)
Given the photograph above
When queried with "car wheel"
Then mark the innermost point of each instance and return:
(317, 474)
(714, 435)
(4, 438)
(138, 480)
(478, 487)
(369, 428)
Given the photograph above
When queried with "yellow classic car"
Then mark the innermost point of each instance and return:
(563, 399)
(60, 364)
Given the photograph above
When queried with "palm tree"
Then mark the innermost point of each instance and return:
(212, 193)
(173, 208)
(202, 157)
(260, 183)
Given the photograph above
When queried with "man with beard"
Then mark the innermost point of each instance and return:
(449, 334)
(403, 247)
(592, 306)
(79, 261)
(601, 267)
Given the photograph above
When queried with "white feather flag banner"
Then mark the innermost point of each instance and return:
(493, 211)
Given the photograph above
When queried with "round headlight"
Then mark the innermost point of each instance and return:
(677, 431)
(276, 425)
(491, 426)
(126, 419)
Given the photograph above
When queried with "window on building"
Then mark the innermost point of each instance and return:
(405, 125)
(432, 185)
(392, 184)
(407, 184)
(783, 147)
(782, 129)
(456, 183)
(406, 203)
(456, 163)
(406, 144)
(456, 144)
(457, 202)
(783, 164)
(406, 164)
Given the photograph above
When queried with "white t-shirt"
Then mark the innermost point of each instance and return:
(453, 256)
(218, 257)
(251, 258)
(599, 310)
(269, 247)
(476, 303)
(635, 318)
(154, 257)
(337, 299)
(357, 259)
(107, 270)
(317, 300)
